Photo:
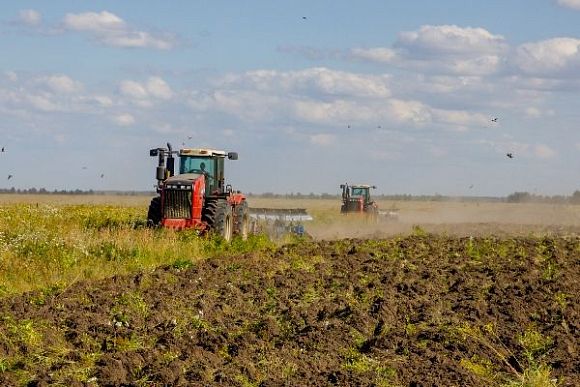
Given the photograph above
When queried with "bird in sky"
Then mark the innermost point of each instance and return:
(494, 119)
(102, 175)
(9, 177)
(304, 17)
(189, 137)
(84, 167)
(471, 186)
(2, 149)
(510, 155)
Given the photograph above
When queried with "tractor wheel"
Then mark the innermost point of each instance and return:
(154, 215)
(218, 215)
(242, 222)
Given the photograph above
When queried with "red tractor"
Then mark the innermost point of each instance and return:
(357, 199)
(197, 197)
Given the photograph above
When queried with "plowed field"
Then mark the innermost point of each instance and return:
(409, 311)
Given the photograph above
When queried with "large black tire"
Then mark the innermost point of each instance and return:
(242, 221)
(219, 218)
(154, 215)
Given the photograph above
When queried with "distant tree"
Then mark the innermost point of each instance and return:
(575, 198)
(519, 197)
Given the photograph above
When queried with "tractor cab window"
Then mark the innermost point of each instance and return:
(361, 192)
(197, 165)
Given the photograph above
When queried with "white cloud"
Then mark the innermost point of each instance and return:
(384, 55)
(154, 87)
(318, 80)
(111, 30)
(103, 100)
(409, 111)
(62, 84)
(443, 48)
(573, 4)
(324, 97)
(103, 22)
(133, 89)
(158, 88)
(553, 57)
(43, 103)
(125, 119)
(450, 39)
(30, 17)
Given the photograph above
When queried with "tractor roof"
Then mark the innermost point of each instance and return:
(202, 152)
(361, 186)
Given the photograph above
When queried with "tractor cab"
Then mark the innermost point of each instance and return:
(207, 162)
(361, 191)
(192, 164)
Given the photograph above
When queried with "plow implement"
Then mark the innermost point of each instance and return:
(277, 222)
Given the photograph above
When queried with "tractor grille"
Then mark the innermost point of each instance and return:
(177, 204)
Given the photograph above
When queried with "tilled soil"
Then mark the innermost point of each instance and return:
(409, 311)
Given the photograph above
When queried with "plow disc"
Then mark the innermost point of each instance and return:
(277, 222)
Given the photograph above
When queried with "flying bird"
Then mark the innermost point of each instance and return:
(102, 175)
(494, 119)
(510, 155)
(84, 167)
(471, 186)
(2, 149)
(189, 137)
(9, 177)
(304, 18)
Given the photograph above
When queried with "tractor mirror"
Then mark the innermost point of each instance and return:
(154, 152)
(342, 186)
(232, 155)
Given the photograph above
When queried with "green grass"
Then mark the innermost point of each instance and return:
(50, 247)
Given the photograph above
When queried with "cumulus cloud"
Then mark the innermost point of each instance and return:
(572, 4)
(318, 80)
(125, 119)
(443, 48)
(158, 88)
(30, 17)
(111, 30)
(154, 87)
(133, 89)
(552, 57)
(61, 84)
(324, 97)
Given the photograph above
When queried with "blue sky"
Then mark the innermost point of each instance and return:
(400, 94)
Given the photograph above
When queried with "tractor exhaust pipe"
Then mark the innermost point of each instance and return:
(170, 160)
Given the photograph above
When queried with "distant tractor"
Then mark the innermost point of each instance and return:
(197, 197)
(357, 199)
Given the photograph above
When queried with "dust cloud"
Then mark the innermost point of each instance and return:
(454, 218)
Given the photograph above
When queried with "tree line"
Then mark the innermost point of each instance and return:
(516, 197)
